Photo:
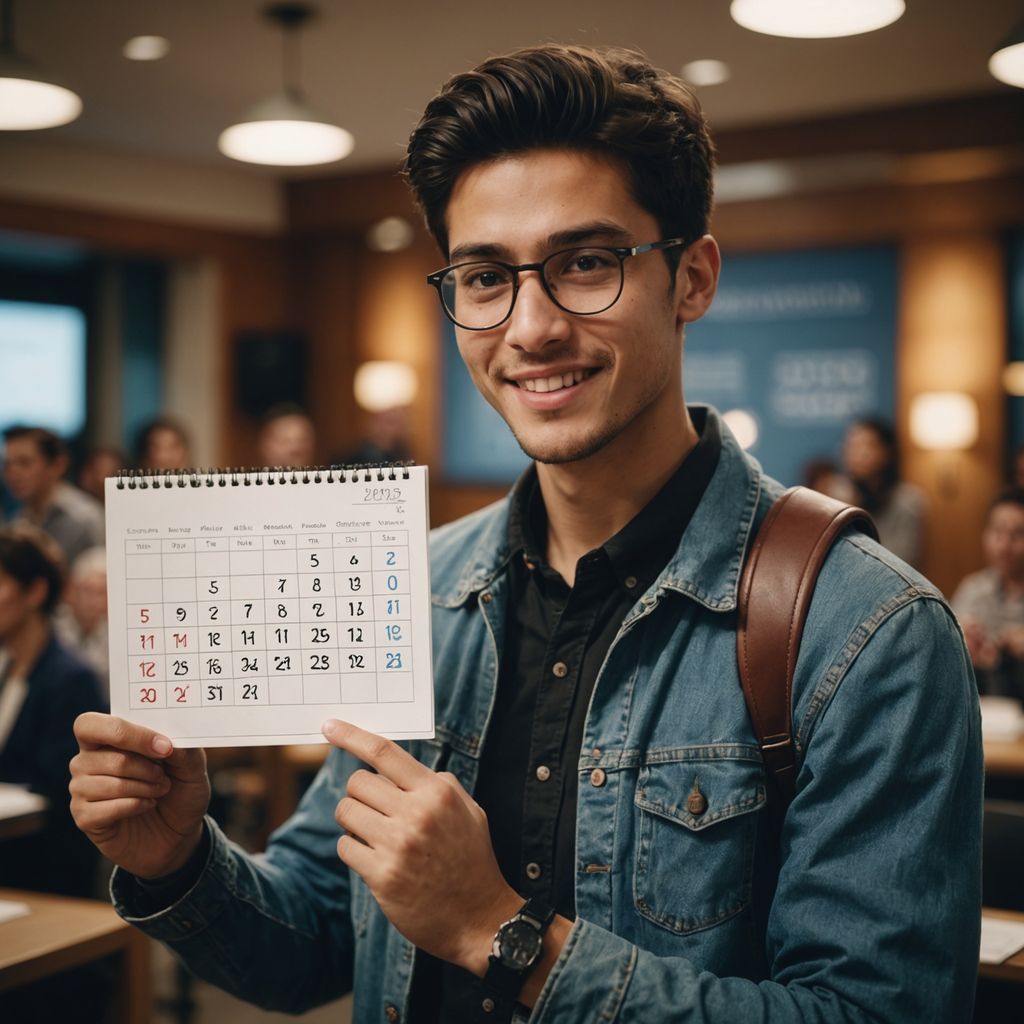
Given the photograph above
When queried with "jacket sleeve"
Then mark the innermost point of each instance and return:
(876, 913)
(273, 929)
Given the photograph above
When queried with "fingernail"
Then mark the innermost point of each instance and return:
(162, 745)
(329, 726)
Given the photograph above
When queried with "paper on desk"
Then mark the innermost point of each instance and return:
(15, 801)
(1000, 939)
(9, 910)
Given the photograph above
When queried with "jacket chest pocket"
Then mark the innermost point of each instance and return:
(695, 848)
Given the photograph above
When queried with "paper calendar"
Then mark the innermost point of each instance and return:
(246, 608)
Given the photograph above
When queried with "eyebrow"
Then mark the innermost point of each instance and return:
(595, 231)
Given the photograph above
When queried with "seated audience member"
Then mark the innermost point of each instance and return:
(81, 618)
(871, 461)
(386, 439)
(43, 688)
(99, 464)
(287, 438)
(824, 476)
(35, 461)
(990, 603)
(163, 444)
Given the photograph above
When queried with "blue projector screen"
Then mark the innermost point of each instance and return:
(42, 366)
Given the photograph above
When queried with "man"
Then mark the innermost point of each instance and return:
(35, 461)
(594, 754)
(990, 602)
(287, 438)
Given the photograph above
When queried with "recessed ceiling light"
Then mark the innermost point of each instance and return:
(815, 19)
(146, 48)
(706, 72)
(392, 234)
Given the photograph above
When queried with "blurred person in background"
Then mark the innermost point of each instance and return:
(386, 439)
(871, 461)
(99, 464)
(35, 461)
(287, 438)
(990, 603)
(163, 444)
(44, 686)
(824, 476)
(81, 617)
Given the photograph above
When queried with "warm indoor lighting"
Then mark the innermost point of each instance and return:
(1007, 63)
(944, 421)
(284, 131)
(146, 48)
(815, 19)
(744, 427)
(1013, 379)
(706, 72)
(391, 234)
(384, 384)
(29, 97)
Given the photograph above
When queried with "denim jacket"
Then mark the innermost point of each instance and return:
(865, 909)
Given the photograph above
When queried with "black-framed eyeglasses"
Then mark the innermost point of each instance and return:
(584, 281)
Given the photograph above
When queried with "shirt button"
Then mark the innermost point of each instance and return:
(533, 871)
(391, 1014)
(485, 597)
(598, 777)
(488, 1005)
(631, 582)
(560, 669)
(543, 772)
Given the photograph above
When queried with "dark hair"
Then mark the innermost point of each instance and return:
(47, 443)
(283, 410)
(886, 433)
(610, 102)
(28, 554)
(145, 435)
(1010, 496)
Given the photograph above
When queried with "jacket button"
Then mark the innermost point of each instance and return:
(560, 670)
(485, 597)
(631, 582)
(533, 871)
(598, 777)
(543, 772)
(488, 1005)
(391, 1013)
(696, 802)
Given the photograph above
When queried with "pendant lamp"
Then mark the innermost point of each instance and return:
(284, 131)
(815, 19)
(1007, 63)
(30, 98)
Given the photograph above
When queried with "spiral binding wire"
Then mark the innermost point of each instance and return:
(143, 479)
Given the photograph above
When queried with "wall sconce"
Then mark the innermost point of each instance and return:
(1013, 379)
(384, 384)
(944, 421)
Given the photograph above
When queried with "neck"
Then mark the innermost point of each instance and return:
(36, 506)
(26, 643)
(588, 502)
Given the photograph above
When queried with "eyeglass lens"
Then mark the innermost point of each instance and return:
(584, 281)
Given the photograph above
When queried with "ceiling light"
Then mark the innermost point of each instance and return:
(706, 72)
(29, 97)
(815, 19)
(944, 420)
(1007, 63)
(392, 234)
(384, 384)
(146, 48)
(284, 130)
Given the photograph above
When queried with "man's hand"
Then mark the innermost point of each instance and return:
(421, 843)
(140, 801)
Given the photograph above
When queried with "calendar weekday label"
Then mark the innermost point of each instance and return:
(249, 613)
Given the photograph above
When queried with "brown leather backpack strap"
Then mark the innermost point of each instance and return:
(775, 593)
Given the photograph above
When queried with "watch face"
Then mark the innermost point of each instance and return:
(519, 944)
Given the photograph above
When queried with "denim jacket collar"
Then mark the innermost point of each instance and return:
(705, 567)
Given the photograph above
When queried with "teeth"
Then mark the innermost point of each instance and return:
(555, 383)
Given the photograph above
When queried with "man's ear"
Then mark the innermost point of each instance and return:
(37, 592)
(697, 279)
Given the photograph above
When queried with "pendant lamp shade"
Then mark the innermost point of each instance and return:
(1007, 63)
(283, 131)
(29, 97)
(815, 19)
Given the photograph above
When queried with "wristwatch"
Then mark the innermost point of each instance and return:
(517, 947)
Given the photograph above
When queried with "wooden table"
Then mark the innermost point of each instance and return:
(1005, 757)
(60, 933)
(1008, 970)
(21, 813)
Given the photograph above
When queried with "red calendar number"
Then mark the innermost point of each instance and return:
(148, 669)
(147, 695)
(143, 615)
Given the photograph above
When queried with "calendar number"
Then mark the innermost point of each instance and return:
(356, 608)
(213, 612)
(356, 661)
(214, 587)
(355, 634)
(282, 663)
(282, 612)
(148, 670)
(143, 616)
(250, 665)
(392, 659)
(355, 583)
(319, 662)
(215, 693)
(394, 633)
(181, 695)
(147, 695)
(320, 636)
(181, 614)
(314, 560)
(180, 668)
(250, 692)
(213, 666)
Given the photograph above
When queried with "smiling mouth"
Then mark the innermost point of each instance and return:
(556, 382)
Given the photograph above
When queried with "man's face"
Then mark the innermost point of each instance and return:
(1004, 540)
(287, 441)
(26, 470)
(569, 386)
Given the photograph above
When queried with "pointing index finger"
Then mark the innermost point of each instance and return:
(389, 759)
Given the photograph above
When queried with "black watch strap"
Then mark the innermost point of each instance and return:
(502, 982)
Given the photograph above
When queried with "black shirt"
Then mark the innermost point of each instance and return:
(556, 640)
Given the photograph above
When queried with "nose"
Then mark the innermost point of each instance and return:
(535, 320)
